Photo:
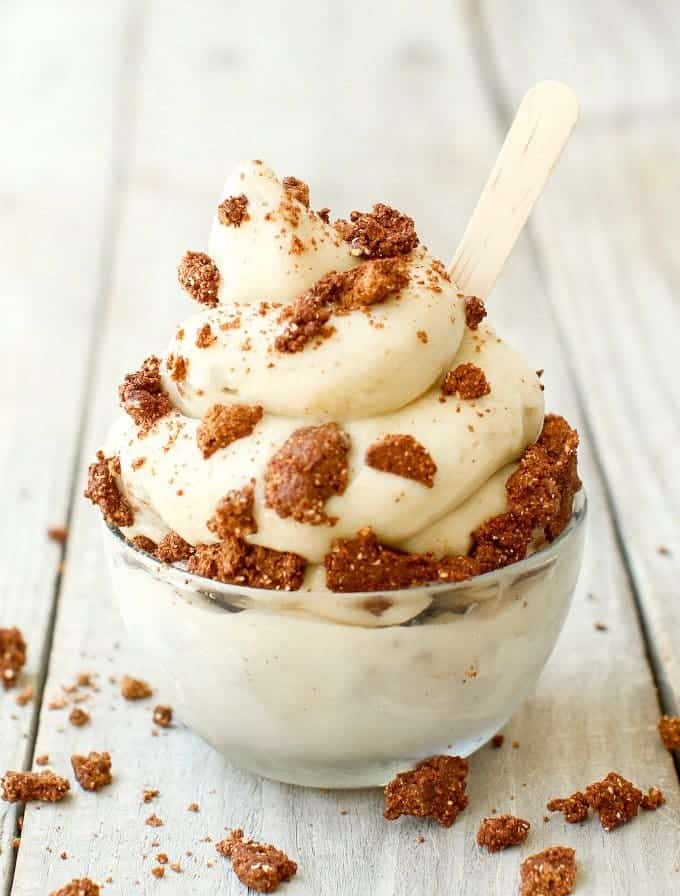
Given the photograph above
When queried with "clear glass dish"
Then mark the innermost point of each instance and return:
(346, 690)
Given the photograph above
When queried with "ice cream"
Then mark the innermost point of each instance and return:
(334, 415)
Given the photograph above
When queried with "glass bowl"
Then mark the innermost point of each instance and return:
(346, 690)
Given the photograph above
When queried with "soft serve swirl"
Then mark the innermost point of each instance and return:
(374, 371)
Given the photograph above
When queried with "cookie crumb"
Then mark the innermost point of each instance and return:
(501, 831)
(309, 468)
(142, 395)
(615, 800)
(402, 455)
(25, 787)
(574, 808)
(92, 771)
(172, 548)
(434, 789)
(223, 424)
(193, 807)
(205, 337)
(297, 189)
(260, 866)
(467, 381)
(234, 514)
(149, 795)
(233, 211)
(78, 717)
(102, 489)
(43, 759)
(154, 821)
(12, 655)
(381, 233)
(669, 732)
(236, 561)
(475, 312)
(552, 871)
(158, 871)
(178, 366)
(497, 741)
(653, 799)
(162, 858)
(200, 277)
(134, 688)
(58, 534)
(162, 715)
(176, 867)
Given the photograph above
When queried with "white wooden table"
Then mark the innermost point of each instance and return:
(118, 123)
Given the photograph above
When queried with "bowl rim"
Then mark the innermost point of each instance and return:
(176, 575)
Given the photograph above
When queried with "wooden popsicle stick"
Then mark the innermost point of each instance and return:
(536, 138)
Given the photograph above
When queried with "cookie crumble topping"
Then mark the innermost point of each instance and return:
(552, 871)
(224, 424)
(234, 513)
(309, 468)
(233, 211)
(235, 561)
(142, 395)
(381, 233)
(475, 312)
(200, 277)
(102, 489)
(467, 381)
(501, 831)
(402, 455)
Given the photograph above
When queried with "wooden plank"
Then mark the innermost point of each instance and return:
(607, 242)
(58, 137)
(618, 55)
(405, 68)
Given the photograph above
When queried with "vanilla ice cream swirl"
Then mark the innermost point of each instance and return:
(315, 327)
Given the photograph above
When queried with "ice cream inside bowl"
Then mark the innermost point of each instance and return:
(334, 419)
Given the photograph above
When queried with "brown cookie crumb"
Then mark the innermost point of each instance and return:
(148, 795)
(402, 455)
(154, 821)
(200, 276)
(260, 866)
(145, 544)
(92, 771)
(102, 489)
(234, 514)
(82, 886)
(224, 424)
(78, 717)
(615, 799)
(162, 716)
(422, 336)
(669, 729)
(297, 247)
(158, 871)
(339, 293)
(467, 381)
(310, 467)
(497, 741)
(25, 695)
(574, 808)
(434, 789)
(142, 395)
(134, 688)
(381, 233)
(43, 759)
(232, 212)
(297, 189)
(193, 807)
(325, 214)
(475, 312)
(58, 534)
(236, 562)
(205, 337)
(172, 548)
(12, 655)
(176, 867)
(178, 366)
(24, 787)
(501, 831)
(652, 799)
(363, 564)
(551, 872)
